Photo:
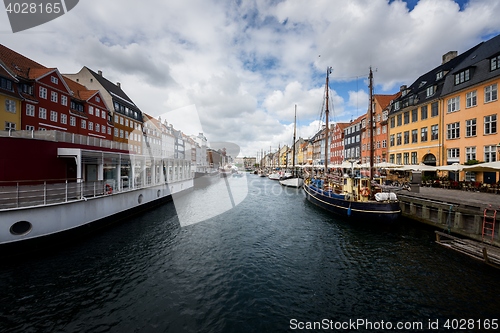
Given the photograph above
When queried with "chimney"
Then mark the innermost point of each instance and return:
(99, 72)
(402, 88)
(448, 56)
(118, 84)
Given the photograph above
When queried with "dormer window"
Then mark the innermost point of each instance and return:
(6, 84)
(495, 63)
(439, 75)
(431, 91)
(422, 84)
(462, 77)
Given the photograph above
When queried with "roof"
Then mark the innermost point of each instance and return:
(113, 89)
(20, 65)
(385, 100)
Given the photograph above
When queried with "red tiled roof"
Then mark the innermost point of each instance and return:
(76, 88)
(384, 100)
(19, 64)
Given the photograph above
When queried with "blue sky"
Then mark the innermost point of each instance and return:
(243, 65)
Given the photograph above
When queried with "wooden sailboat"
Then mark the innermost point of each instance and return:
(294, 180)
(348, 196)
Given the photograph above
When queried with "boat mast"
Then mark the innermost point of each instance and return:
(293, 143)
(371, 124)
(328, 71)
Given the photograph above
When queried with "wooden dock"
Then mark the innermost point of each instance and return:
(474, 249)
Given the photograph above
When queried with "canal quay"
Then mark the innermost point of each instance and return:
(272, 262)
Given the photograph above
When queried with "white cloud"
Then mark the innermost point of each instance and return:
(244, 65)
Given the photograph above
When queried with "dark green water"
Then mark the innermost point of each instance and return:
(269, 264)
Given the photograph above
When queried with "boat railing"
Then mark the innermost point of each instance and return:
(59, 136)
(27, 193)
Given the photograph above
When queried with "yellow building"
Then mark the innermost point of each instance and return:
(416, 117)
(10, 102)
(470, 101)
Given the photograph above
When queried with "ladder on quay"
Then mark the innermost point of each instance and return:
(489, 219)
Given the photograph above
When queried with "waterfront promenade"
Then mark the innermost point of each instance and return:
(458, 197)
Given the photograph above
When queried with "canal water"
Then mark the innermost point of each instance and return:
(273, 263)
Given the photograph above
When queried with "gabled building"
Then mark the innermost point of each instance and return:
(352, 140)
(416, 116)
(87, 108)
(125, 116)
(337, 143)
(380, 107)
(471, 109)
(45, 95)
(10, 101)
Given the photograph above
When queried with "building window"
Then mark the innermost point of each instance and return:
(53, 116)
(72, 121)
(490, 93)
(406, 137)
(64, 100)
(84, 123)
(53, 97)
(400, 119)
(103, 129)
(43, 93)
(97, 112)
(494, 63)
(414, 115)
(54, 80)
(490, 124)
(470, 176)
(64, 118)
(30, 128)
(434, 132)
(121, 120)
(391, 158)
(393, 122)
(490, 153)
(407, 117)
(398, 139)
(384, 129)
(470, 128)
(42, 113)
(116, 119)
(384, 143)
(116, 132)
(453, 130)
(414, 136)
(10, 126)
(10, 106)
(97, 128)
(121, 133)
(109, 130)
(91, 109)
(30, 110)
(6, 84)
(406, 158)
(462, 77)
(453, 154)
(103, 113)
(414, 159)
(391, 140)
(434, 109)
(471, 99)
(453, 104)
(470, 153)
(398, 158)
(423, 134)
(423, 112)
(430, 91)
(91, 126)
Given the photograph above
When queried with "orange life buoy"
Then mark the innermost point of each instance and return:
(109, 189)
(365, 191)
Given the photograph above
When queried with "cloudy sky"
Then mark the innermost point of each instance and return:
(240, 66)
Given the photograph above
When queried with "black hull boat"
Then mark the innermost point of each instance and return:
(384, 211)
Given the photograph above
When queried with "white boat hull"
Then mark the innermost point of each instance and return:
(51, 219)
(292, 182)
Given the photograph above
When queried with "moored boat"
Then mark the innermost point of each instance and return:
(77, 186)
(345, 195)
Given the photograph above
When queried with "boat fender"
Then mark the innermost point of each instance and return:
(109, 189)
(365, 191)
